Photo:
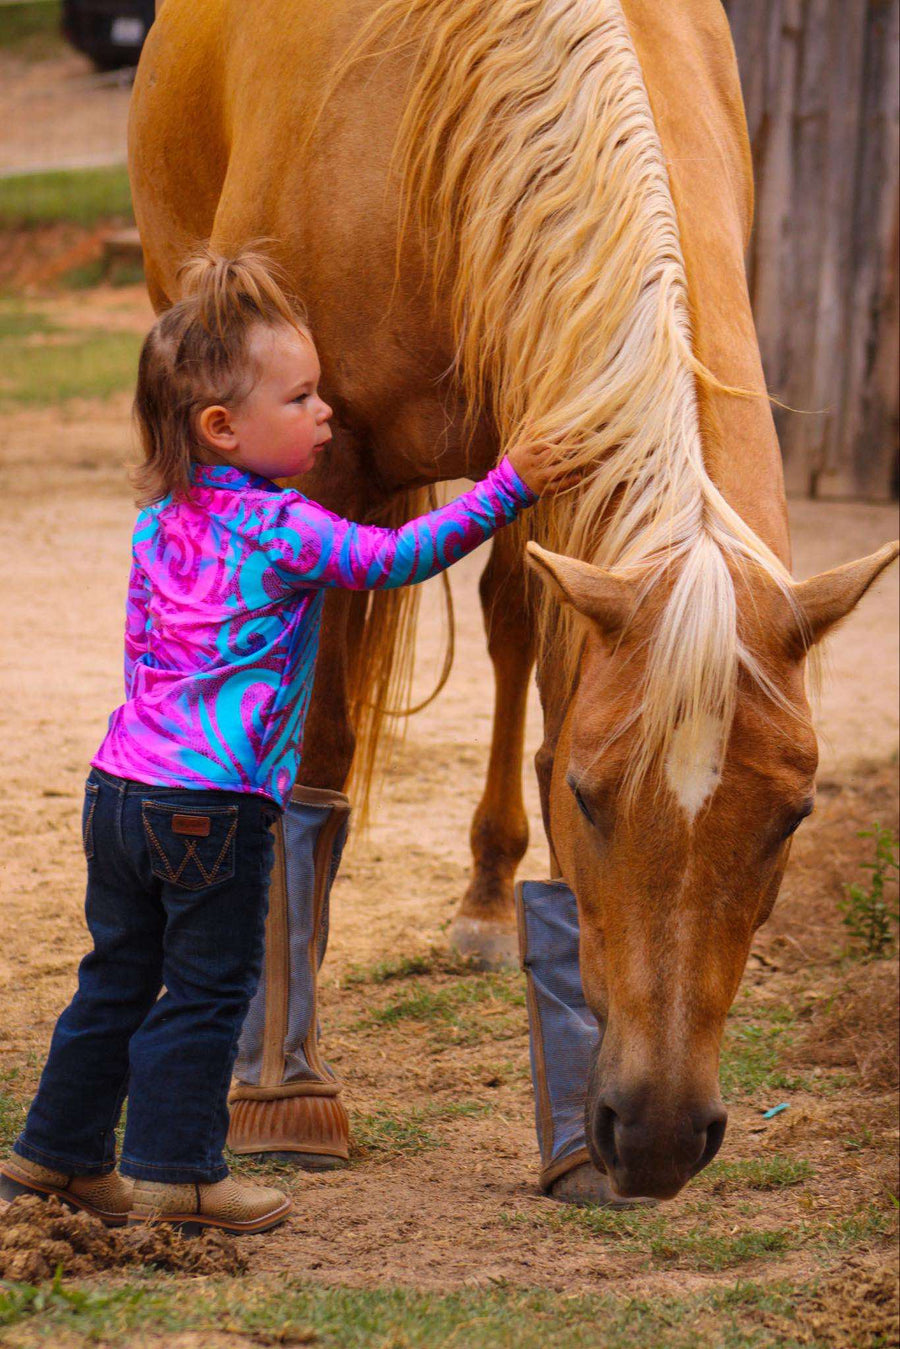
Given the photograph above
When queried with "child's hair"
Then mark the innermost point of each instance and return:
(196, 355)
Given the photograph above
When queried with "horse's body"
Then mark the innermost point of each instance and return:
(241, 128)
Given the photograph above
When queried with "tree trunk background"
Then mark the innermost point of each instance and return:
(821, 82)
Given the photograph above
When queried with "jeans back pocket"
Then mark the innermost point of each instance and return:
(190, 848)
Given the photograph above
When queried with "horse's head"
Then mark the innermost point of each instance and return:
(674, 873)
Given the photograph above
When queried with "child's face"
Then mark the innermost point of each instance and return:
(281, 427)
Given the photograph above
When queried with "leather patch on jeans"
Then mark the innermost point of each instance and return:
(195, 825)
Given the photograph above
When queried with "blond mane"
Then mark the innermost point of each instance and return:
(532, 164)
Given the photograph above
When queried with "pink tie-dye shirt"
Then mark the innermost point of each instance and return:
(223, 613)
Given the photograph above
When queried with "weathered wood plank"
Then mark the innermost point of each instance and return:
(821, 82)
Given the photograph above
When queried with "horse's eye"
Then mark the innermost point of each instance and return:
(580, 801)
(798, 819)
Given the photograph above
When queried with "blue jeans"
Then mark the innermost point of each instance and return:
(177, 895)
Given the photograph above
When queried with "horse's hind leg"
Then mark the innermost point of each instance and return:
(485, 926)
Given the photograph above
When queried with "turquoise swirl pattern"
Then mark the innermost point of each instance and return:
(223, 613)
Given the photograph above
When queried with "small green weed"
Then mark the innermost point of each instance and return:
(869, 915)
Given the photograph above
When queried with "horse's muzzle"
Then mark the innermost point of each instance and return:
(649, 1147)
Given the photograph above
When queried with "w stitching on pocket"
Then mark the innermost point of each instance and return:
(87, 831)
(190, 851)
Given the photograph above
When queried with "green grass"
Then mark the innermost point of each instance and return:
(404, 967)
(16, 322)
(665, 1239)
(32, 31)
(760, 1173)
(390, 1132)
(13, 1106)
(464, 1011)
(71, 363)
(78, 196)
(391, 1317)
(751, 1055)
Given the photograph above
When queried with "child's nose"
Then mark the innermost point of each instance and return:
(325, 413)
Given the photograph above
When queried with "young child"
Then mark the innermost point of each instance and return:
(223, 613)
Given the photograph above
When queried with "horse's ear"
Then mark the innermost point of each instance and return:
(600, 595)
(824, 600)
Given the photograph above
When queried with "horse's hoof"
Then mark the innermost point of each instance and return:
(489, 945)
(584, 1185)
(302, 1161)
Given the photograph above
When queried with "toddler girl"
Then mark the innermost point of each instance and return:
(223, 612)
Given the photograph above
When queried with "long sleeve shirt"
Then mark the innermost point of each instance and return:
(223, 614)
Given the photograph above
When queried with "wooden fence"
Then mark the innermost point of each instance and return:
(821, 81)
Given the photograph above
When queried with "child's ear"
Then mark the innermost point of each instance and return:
(215, 428)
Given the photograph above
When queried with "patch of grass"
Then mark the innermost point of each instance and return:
(12, 1110)
(855, 1229)
(391, 1132)
(71, 364)
(393, 1317)
(461, 1012)
(32, 31)
(404, 967)
(77, 196)
(760, 1173)
(17, 323)
(751, 1055)
(654, 1234)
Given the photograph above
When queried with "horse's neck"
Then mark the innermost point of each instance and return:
(704, 139)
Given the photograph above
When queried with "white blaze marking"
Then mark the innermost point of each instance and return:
(692, 766)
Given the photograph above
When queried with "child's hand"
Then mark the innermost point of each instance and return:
(538, 468)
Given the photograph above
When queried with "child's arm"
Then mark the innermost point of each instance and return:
(315, 548)
(137, 616)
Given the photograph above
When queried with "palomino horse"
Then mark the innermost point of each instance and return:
(529, 216)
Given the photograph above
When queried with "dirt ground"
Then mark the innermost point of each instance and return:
(59, 113)
(441, 1192)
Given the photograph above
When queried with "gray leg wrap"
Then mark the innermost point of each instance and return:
(285, 1097)
(563, 1029)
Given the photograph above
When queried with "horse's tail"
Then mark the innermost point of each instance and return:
(381, 668)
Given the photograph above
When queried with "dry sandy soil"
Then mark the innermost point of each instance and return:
(59, 113)
(441, 1191)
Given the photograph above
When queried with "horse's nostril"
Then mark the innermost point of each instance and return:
(605, 1135)
(715, 1132)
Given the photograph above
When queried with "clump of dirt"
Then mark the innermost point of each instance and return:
(856, 1304)
(37, 256)
(857, 1027)
(39, 1237)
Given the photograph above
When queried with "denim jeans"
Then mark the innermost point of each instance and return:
(177, 894)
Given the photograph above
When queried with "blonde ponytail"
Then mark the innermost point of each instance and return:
(197, 355)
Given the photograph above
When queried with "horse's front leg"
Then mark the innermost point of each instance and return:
(285, 1101)
(485, 925)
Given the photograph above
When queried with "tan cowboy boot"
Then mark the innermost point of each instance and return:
(105, 1197)
(225, 1204)
(284, 1100)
